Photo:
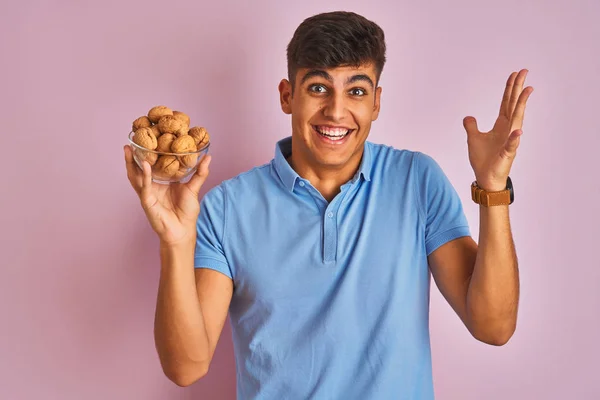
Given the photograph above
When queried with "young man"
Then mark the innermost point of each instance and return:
(323, 256)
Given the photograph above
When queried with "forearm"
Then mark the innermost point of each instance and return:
(179, 331)
(493, 294)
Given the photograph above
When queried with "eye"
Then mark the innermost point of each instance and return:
(317, 88)
(357, 92)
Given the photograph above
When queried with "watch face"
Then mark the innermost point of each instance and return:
(509, 186)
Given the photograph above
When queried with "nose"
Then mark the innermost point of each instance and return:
(334, 107)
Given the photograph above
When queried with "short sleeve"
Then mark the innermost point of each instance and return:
(210, 229)
(440, 205)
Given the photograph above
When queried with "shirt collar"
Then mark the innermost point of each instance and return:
(288, 176)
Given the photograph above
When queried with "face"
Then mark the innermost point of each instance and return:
(332, 111)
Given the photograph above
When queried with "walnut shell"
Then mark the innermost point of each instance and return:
(183, 130)
(204, 142)
(183, 117)
(189, 160)
(155, 131)
(200, 136)
(156, 113)
(166, 166)
(145, 138)
(183, 144)
(181, 172)
(164, 142)
(149, 156)
(169, 124)
(141, 122)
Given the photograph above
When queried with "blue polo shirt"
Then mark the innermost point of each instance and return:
(331, 300)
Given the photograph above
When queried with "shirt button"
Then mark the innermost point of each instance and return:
(301, 184)
(330, 215)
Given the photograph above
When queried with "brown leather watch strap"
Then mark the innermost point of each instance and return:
(488, 199)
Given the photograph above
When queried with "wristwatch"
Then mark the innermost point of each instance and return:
(488, 199)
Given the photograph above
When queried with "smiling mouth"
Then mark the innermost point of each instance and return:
(332, 133)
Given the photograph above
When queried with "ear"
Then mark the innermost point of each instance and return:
(377, 105)
(285, 96)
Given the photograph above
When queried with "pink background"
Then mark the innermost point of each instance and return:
(80, 263)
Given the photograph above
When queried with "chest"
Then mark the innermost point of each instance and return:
(302, 251)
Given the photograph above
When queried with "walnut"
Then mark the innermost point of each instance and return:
(200, 136)
(156, 113)
(183, 130)
(183, 117)
(145, 138)
(164, 142)
(183, 144)
(169, 124)
(183, 171)
(189, 160)
(143, 155)
(166, 166)
(204, 142)
(155, 131)
(141, 122)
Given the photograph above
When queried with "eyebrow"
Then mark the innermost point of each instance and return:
(360, 78)
(316, 73)
(325, 75)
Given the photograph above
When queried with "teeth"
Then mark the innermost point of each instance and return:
(332, 132)
(334, 137)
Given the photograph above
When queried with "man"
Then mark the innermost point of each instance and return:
(322, 256)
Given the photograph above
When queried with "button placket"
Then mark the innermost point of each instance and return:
(330, 230)
(329, 238)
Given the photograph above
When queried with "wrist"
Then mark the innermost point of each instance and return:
(489, 186)
(175, 256)
(492, 193)
(182, 244)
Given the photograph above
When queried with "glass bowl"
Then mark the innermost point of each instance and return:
(174, 167)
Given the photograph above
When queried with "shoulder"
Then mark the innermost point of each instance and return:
(247, 182)
(242, 184)
(387, 158)
(380, 151)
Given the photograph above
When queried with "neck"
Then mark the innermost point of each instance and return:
(327, 180)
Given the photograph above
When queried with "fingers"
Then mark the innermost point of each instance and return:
(510, 149)
(507, 93)
(148, 195)
(470, 124)
(146, 187)
(200, 176)
(519, 113)
(133, 172)
(516, 91)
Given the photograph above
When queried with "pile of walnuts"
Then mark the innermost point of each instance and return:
(167, 131)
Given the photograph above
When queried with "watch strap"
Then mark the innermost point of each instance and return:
(488, 199)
